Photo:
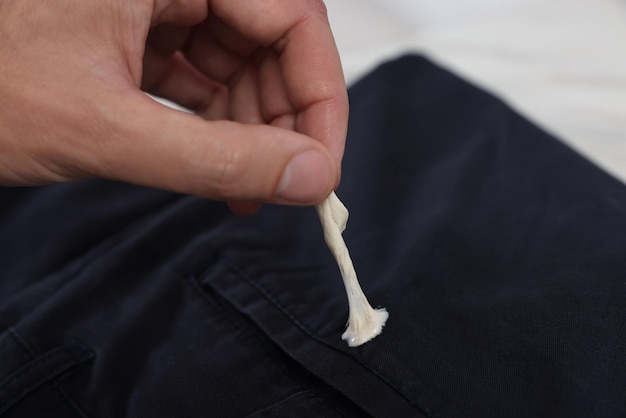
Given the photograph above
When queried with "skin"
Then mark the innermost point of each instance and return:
(263, 78)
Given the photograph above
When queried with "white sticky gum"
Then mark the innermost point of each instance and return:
(364, 322)
(365, 326)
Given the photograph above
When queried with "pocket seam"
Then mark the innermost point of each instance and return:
(244, 333)
(234, 267)
(74, 358)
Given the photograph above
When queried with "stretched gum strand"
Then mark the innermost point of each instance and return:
(364, 322)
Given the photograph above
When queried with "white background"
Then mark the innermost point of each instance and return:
(562, 63)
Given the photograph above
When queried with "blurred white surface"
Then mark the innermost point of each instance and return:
(562, 63)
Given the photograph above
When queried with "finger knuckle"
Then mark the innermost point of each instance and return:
(229, 175)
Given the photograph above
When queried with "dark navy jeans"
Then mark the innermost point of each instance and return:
(499, 253)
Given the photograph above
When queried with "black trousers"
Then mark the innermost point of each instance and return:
(499, 253)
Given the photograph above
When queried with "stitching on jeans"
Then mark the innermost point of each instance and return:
(243, 332)
(23, 344)
(312, 398)
(35, 363)
(72, 403)
(200, 288)
(218, 257)
(194, 279)
(426, 407)
(230, 264)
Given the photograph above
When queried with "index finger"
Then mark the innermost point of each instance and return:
(299, 32)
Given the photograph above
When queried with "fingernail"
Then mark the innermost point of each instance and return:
(307, 178)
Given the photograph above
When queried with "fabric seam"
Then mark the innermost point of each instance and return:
(231, 265)
(244, 333)
(62, 393)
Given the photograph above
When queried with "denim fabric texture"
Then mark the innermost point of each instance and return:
(498, 251)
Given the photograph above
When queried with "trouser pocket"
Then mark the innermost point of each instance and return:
(28, 385)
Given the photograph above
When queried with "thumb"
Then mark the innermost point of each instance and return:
(156, 146)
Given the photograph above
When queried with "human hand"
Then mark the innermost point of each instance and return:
(262, 76)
